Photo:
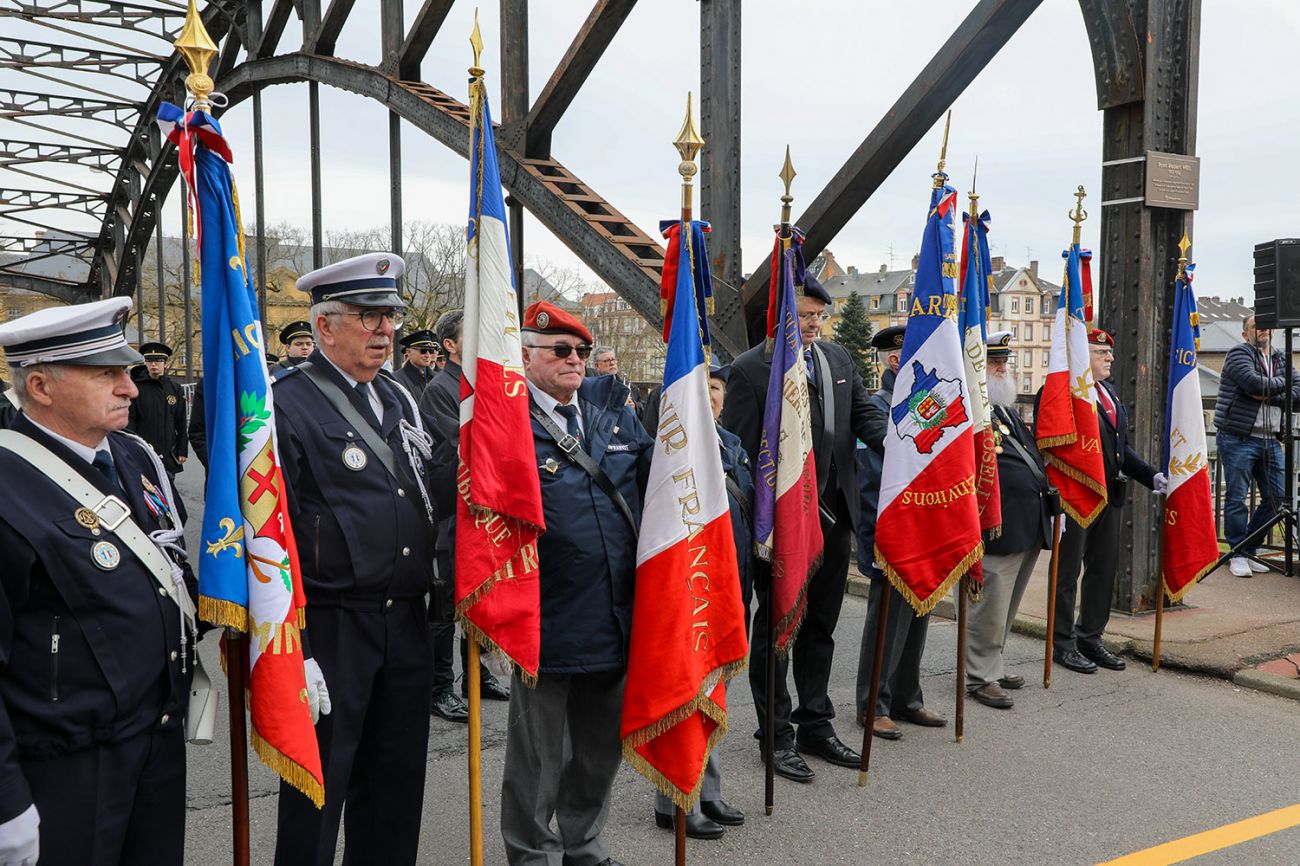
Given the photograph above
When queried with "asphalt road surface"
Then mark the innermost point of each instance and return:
(1095, 768)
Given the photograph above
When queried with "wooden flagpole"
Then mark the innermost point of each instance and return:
(1051, 598)
(236, 650)
(1160, 618)
(959, 724)
(877, 663)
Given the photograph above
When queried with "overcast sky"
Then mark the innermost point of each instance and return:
(1030, 117)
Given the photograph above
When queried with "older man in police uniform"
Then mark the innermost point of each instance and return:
(158, 411)
(358, 471)
(1029, 504)
(562, 742)
(96, 620)
(839, 419)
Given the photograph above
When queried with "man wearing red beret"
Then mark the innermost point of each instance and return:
(593, 458)
(1095, 548)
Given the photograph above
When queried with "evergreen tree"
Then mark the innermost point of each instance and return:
(853, 332)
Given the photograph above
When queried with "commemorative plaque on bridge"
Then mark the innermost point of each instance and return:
(1173, 180)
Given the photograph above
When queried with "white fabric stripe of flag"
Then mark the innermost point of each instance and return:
(1187, 428)
(903, 463)
(686, 483)
(788, 472)
(491, 324)
(981, 412)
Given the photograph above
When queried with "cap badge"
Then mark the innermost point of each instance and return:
(354, 458)
(543, 319)
(171, 399)
(382, 266)
(105, 555)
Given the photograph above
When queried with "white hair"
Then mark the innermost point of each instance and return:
(1002, 387)
(324, 308)
(20, 375)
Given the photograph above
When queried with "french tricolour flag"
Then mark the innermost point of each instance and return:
(1191, 545)
(928, 524)
(1066, 426)
(688, 623)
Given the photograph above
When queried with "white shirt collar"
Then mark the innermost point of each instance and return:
(372, 393)
(87, 454)
(547, 404)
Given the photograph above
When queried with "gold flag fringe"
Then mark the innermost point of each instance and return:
(924, 606)
(223, 613)
(798, 613)
(1053, 441)
(1083, 520)
(1173, 597)
(701, 703)
(474, 632)
(288, 769)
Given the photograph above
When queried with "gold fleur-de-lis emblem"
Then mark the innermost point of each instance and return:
(234, 534)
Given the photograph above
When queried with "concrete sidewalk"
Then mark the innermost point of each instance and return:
(1244, 630)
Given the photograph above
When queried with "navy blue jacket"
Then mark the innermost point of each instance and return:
(588, 552)
(1118, 455)
(1244, 379)
(158, 416)
(87, 657)
(735, 465)
(1025, 521)
(871, 461)
(362, 537)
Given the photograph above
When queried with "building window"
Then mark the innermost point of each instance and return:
(875, 305)
(1015, 332)
(1027, 360)
(1047, 355)
(1015, 305)
(14, 312)
(1029, 305)
(1026, 384)
(1029, 328)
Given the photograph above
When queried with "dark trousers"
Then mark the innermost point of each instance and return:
(900, 672)
(442, 634)
(122, 804)
(1095, 549)
(813, 648)
(373, 743)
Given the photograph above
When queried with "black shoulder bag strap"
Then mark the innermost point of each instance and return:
(572, 449)
(1043, 483)
(340, 402)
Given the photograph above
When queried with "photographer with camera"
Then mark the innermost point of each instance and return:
(1029, 508)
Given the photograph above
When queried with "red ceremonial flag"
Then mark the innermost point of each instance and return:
(1066, 426)
(688, 622)
(928, 526)
(1190, 543)
(499, 497)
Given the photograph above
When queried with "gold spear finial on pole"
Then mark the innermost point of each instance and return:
(198, 49)
(1183, 246)
(688, 144)
(476, 42)
(1078, 215)
(973, 195)
(787, 175)
(939, 176)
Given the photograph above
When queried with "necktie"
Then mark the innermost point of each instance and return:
(1107, 405)
(570, 414)
(104, 463)
(363, 389)
(808, 361)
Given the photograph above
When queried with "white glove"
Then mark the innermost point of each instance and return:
(20, 839)
(318, 697)
(1160, 484)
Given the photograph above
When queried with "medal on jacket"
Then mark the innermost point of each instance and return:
(105, 555)
(551, 465)
(354, 458)
(156, 502)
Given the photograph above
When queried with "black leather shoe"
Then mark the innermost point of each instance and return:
(787, 764)
(698, 825)
(722, 812)
(489, 687)
(1012, 681)
(450, 707)
(831, 750)
(1103, 657)
(1075, 661)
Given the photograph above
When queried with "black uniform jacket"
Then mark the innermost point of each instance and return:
(88, 656)
(158, 416)
(363, 537)
(1026, 524)
(1118, 454)
(415, 379)
(742, 414)
(440, 407)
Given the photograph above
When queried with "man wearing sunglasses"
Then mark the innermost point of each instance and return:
(359, 472)
(417, 372)
(593, 458)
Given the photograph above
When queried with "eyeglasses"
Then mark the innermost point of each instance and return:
(426, 351)
(563, 350)
(813, 317)
(371, 319)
